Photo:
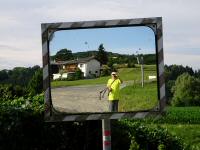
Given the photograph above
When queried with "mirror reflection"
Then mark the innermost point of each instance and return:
(103, 70)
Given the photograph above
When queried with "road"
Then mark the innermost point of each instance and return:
(76, 99)
(79, 99)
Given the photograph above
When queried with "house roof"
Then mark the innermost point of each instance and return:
(76, 61)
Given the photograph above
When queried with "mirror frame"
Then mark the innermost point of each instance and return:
(48, 29)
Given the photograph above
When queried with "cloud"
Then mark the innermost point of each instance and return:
(182, 59)
(20, 23)
(11, 57)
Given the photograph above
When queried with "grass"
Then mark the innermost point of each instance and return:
(134, 97)
(186, 115)
(190, 133)
(125, 74)
(184, 122)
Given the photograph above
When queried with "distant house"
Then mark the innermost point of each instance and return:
(89, 66)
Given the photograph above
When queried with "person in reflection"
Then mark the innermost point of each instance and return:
(113, 86)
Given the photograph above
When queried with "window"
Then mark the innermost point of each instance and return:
(81, 65)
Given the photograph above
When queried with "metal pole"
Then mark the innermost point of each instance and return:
(142, 71)
(106, 134)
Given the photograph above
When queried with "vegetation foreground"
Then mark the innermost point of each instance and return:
(22, 125)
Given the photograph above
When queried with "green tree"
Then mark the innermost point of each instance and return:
(102, 55)
(186, 91)
(78, 74)
(105, 70)
(3, 75)
(63, 55)
(35, 85)
(171, 74)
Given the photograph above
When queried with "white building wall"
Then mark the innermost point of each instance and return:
(93, 67)
(90, 67)
(83, 67)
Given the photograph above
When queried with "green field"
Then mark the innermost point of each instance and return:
(183, 122)
(190, 133)
(125, 74)
(134, 97)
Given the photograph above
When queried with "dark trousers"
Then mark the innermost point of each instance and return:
(113, 105)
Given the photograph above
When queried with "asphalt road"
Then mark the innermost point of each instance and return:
(75, 99)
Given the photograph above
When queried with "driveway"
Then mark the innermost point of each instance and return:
(76, 99)
(79, 99)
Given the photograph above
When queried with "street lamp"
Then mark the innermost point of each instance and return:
(140, 61)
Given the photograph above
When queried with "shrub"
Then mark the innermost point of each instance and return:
(35, 85)
(131, 65)
(105, 70)
(186, 91)
(78, 74)
(71, 76)
(147, 137)
(9, 91)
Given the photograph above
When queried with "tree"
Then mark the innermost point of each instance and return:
(102, 55)
(173, 71)
(105, 70)
(78, 74)
(64, 55)
(171, 74)
(3, 75)
(186, 91)
(35, 85)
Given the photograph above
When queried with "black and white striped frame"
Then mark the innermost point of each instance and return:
(47, 31)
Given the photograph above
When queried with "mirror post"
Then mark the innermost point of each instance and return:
(106, 134)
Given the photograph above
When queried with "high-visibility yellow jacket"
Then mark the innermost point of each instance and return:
(115, 92)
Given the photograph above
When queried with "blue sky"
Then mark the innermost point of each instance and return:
(20, 27)
(123, 40)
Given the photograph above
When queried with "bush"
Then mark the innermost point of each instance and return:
(35, 85)
(131, 65)
(186, 91)
(78, 74)
(105, 70)
(22, 127)
(146, 137)
(71, 76)
(9, 91)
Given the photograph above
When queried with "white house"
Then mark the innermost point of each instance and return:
(89, 66)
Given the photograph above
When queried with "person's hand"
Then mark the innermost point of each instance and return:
(116, 76)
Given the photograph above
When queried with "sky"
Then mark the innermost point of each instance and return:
(20, 25)
(122, 40)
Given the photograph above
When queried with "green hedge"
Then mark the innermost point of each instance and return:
(22, 127)
(137, 135)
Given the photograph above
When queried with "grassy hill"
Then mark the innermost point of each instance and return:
(126, 74)
(134, 97)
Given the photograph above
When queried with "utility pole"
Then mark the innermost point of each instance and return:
(142, 71)
(140, 61)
